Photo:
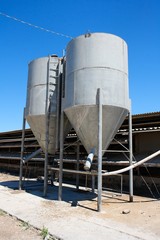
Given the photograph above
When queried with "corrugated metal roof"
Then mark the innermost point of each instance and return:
(151, 114)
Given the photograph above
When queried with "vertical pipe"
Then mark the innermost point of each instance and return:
(77, 175)
(121, 184)
(130, 158)
(99, 202)
(46, 133)
(61, 158)
(93, 184)
(61, 135)
(58, 104)
(22, 150)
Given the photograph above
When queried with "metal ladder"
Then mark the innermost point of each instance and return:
(52, 80)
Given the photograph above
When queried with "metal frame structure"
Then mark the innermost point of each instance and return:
(60, 134)
(22, 160)
(99, 174)
(23, 133)
(93, 174)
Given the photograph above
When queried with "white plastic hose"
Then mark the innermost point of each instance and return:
(88, 162)
(134, 165)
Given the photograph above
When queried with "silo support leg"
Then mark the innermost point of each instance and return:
(99, 202)
(77, 175)
(22, 151)
(46, 156)
(47, 116)
(93, 184)
(45, 174)
(61, 158)
(130, 159)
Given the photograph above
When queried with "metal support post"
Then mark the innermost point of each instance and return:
(58, 103)
(46, 169)
(99, 202)
(77, 175)
(130, 159)
(22, 150)
(61, 157)
(61, 133)
(121, 184)
(46, 134)
(93, 184)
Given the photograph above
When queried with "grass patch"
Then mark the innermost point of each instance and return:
(44, 233)
(2, 213)
(25, 225)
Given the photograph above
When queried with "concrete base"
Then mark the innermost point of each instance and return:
(64, 219)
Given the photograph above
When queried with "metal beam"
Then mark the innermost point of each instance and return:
(46, 133)
(99, 202)
(77, 176)
(130, 159)
(61, 158)
(22, 150)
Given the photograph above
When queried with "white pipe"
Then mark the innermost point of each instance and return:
(88, 162)
(134, 165)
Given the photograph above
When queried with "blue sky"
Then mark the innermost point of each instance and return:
(136, 21)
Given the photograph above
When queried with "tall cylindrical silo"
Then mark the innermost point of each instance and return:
(43, 88)
(93, 61)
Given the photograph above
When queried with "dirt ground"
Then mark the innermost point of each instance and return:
(143, 213)
(13, 229)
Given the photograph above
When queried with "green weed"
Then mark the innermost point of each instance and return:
(2, 213)
(44, 232)
(25, 225)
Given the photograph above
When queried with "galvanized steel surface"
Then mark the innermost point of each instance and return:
(95, 61)
(39, 70)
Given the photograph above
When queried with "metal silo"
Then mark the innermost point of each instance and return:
(43, 101)
(95, 61)
(92, 94)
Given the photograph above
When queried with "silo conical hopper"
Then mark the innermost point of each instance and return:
(44, 72)
(95, 61)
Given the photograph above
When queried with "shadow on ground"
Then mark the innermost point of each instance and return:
(69, 192)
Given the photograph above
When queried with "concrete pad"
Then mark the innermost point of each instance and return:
(63, 220)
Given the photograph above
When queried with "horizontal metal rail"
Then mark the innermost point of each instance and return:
(17, 139)
(18, 146)
(105, 173)
(115, 151)
(18, 158)
(73, 171)
(92, 173)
